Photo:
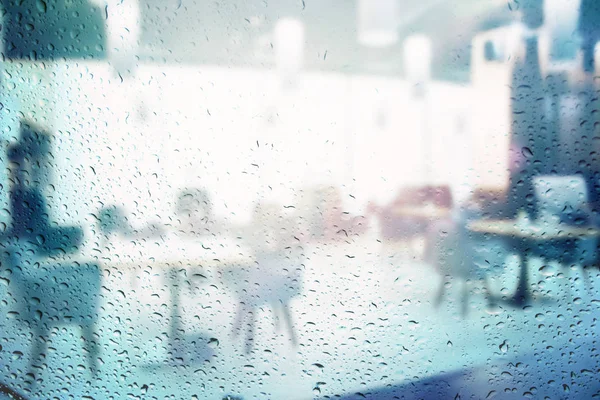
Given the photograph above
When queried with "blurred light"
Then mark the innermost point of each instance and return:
(289, 47)
(378, 22)
(123, 32)
(561, 18)
(562, 12)
(417, 58)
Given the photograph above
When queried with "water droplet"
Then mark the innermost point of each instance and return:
(41, 6)
(526, 151)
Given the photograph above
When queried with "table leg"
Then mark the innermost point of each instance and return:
(175, 323)
(522, 294)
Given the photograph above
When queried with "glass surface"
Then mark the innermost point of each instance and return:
(299, 199)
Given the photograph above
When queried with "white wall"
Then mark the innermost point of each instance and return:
(137, 143)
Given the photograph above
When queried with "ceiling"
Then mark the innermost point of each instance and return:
(238, 32)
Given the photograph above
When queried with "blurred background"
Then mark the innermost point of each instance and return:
(299, 199)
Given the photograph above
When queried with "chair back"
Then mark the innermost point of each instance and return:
(562, 198)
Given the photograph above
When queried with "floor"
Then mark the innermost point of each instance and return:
(364, 317)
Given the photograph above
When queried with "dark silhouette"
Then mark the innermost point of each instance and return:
(532, 13)
(589, 29)
(43, 29)
(529, 131)
(557, 86)
(47, 293)
(584, 157)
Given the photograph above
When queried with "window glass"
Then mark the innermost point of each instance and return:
(299, 199)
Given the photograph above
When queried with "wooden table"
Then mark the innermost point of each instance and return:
(524, 238)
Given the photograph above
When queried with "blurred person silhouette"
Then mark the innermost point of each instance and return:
(275, 278)
(529, 134)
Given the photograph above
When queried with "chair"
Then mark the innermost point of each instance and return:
(456, 255)
(563, 200)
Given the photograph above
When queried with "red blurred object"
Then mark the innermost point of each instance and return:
(407, 215)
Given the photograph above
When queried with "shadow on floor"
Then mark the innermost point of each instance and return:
(540, 374)
(12, 394)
